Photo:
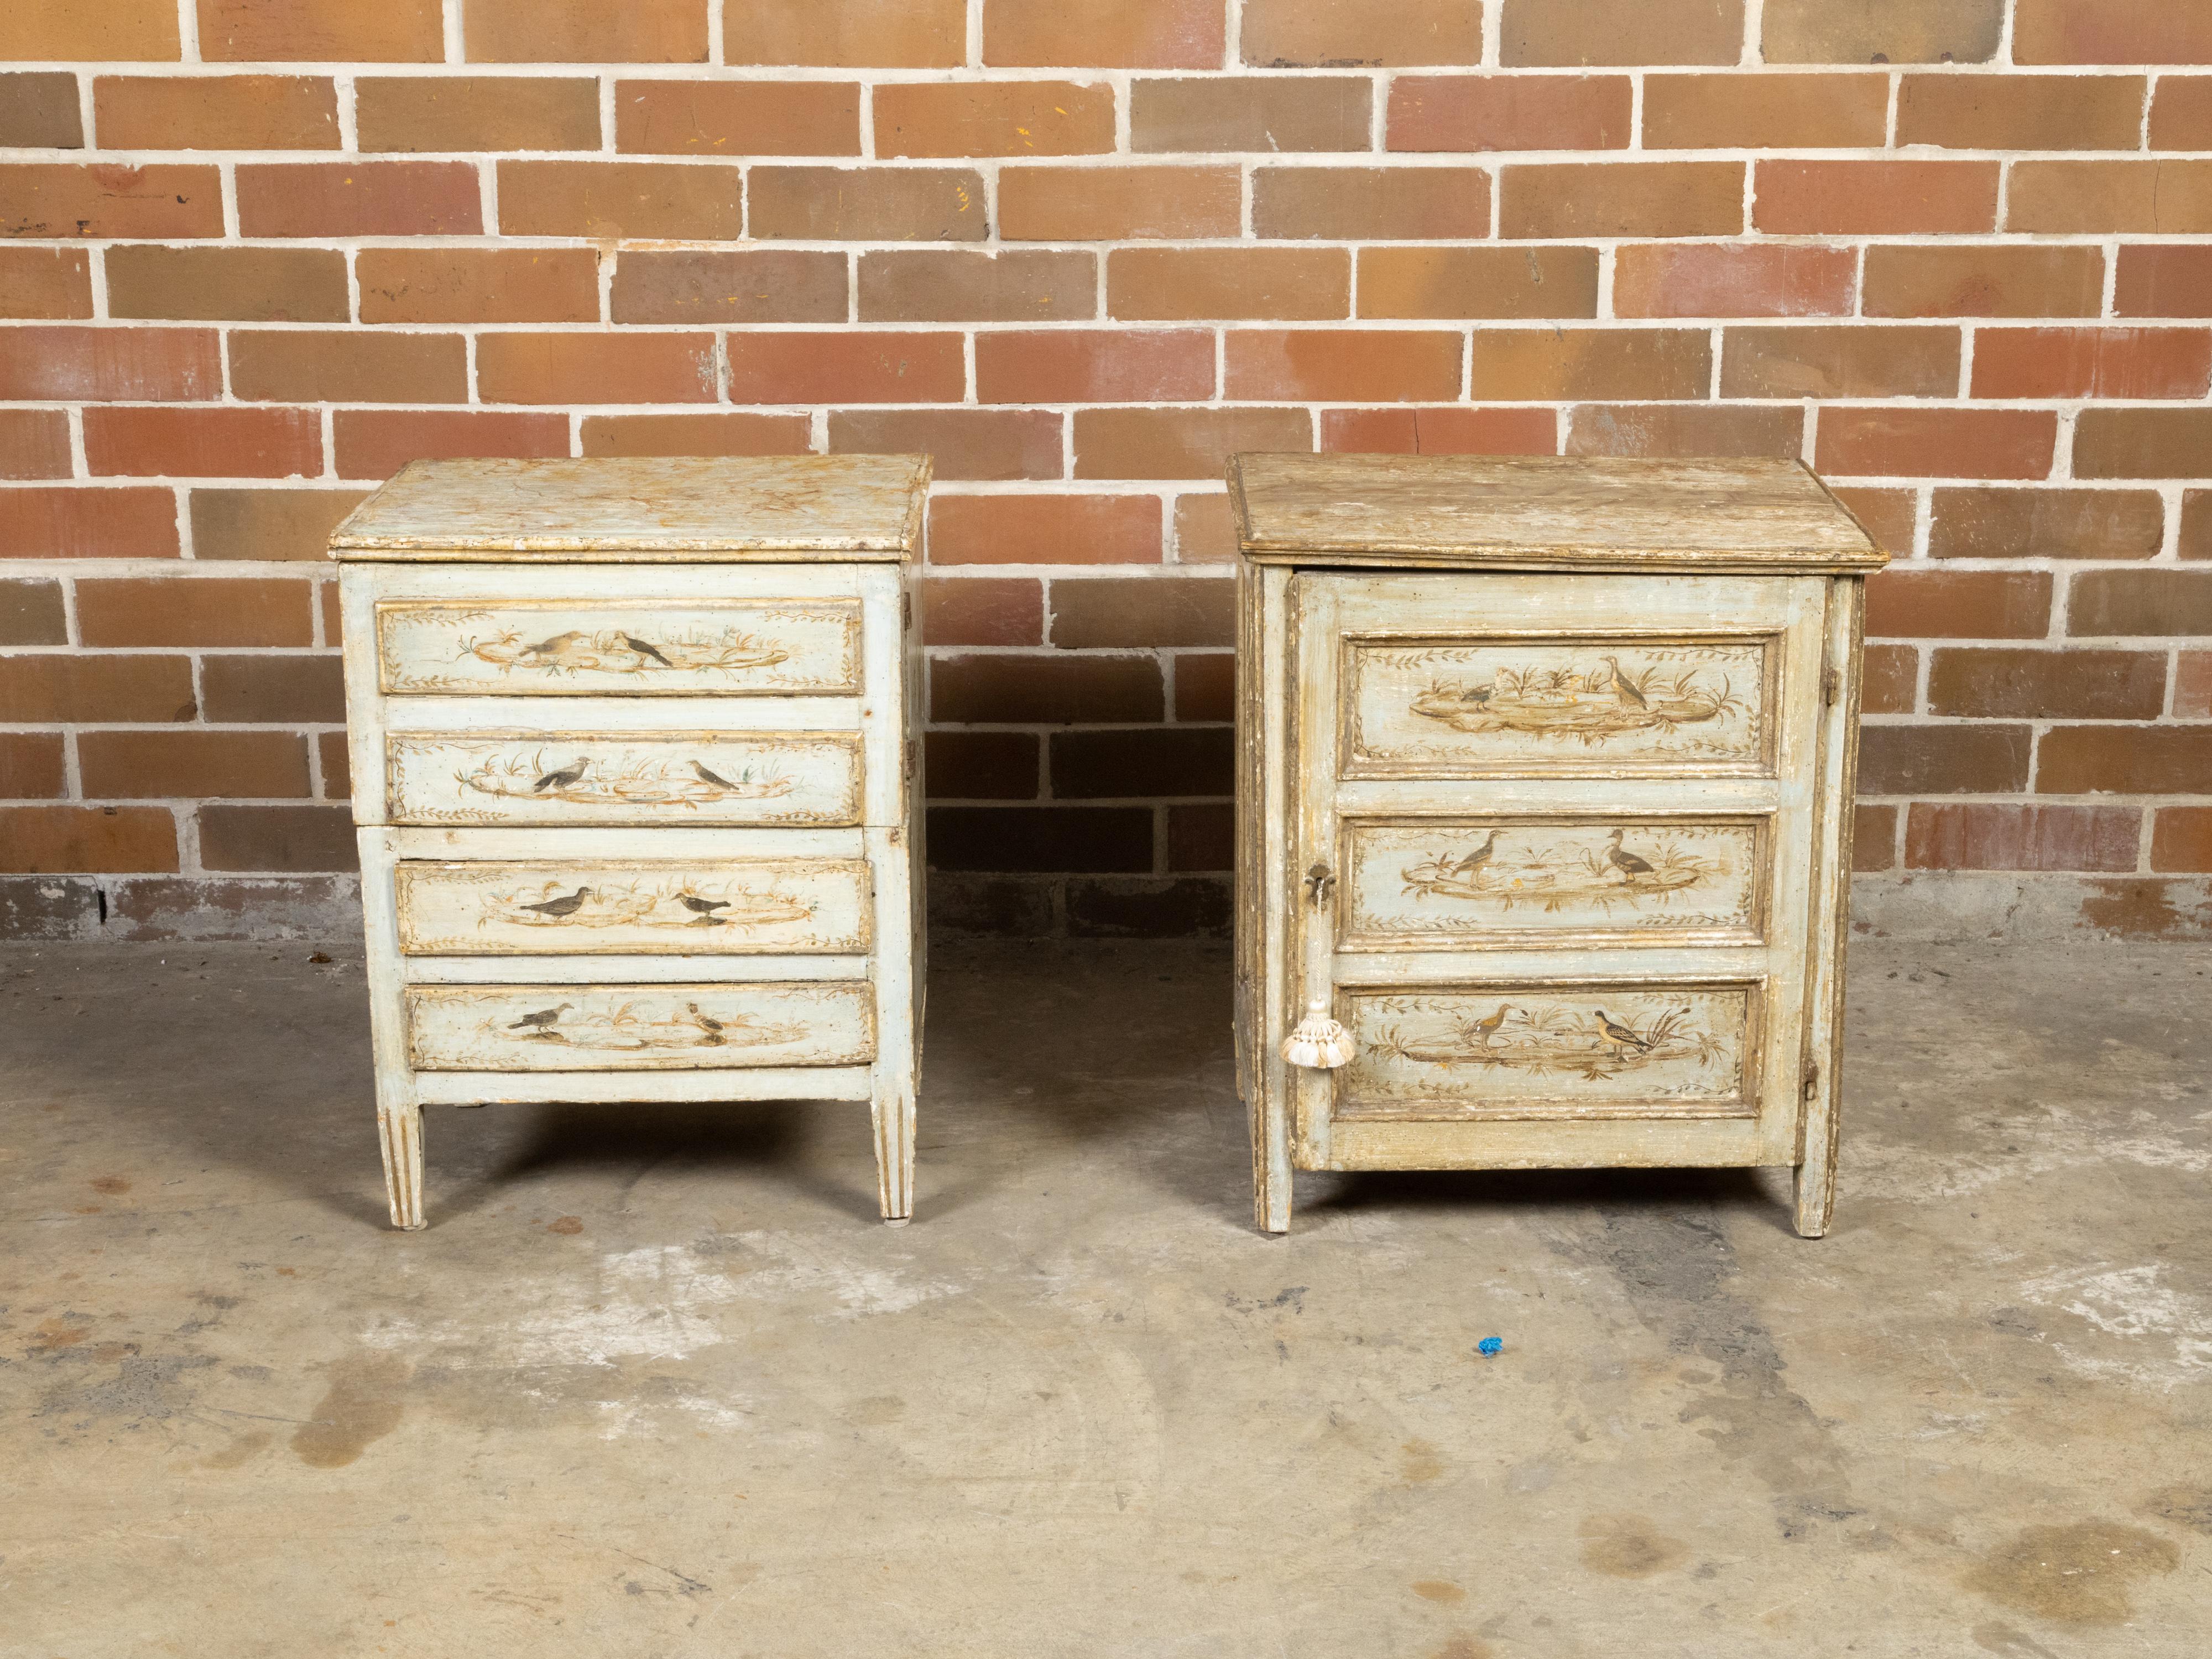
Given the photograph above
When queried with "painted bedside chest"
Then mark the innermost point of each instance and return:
(1544, 801)
(635, 775)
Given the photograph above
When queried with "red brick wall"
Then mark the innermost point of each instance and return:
(1957, 253)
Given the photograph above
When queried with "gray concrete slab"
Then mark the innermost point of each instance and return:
(655, 1382)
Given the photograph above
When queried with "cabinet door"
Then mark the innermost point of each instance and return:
(1554, 842)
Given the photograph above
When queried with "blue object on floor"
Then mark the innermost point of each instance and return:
(1489, 1346)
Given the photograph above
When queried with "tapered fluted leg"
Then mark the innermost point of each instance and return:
(399, 1128)
(893, 1109)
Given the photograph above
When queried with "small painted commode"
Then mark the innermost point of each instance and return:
(635, 775)
(1544, 803)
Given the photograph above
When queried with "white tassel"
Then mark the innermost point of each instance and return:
(1318, 1042)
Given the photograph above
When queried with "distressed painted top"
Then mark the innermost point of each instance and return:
(696, 510)
(1524, 512)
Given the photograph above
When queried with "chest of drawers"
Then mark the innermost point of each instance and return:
(634, 773)
(1543, 797)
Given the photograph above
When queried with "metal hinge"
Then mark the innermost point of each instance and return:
(1831, 685)
(1812, 1079)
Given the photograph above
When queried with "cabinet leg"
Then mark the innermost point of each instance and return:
(1816, 1197)
(893, 1111)
(400, 1130)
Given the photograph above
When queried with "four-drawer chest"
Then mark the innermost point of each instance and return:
(635, 773)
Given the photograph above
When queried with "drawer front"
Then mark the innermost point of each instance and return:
(574, 907)
(638, 1027)
(1470, 882)
(640, 778)
(616, 648)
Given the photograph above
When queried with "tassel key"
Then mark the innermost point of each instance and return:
(1318, 1042)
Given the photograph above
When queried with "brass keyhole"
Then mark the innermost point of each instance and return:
(1318, 881)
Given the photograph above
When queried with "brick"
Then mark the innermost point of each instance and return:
(697, 435)
(1873, 839)
(103, 840)
(33, 31)
(1943, 759)
(1007, 689)
(215, 111)
(1979, 835)
(1455, 282)
(1106, 34)
(1172, 284)
(1044, 529)
(1423, 204)
(1754, 279)
(1956, 443)
(1815, 361)
(993, 117)
(1452, 430)
(30, 614)
(240, 285)
(143, 765)
(2046, 524)
(2139, 603)
(851, 34)
(202, 611)
(1344, 33)
(2181, 112)
(754, 285)
(2192, 684)
(981, 765)
(1686, 429)
(34, 443)
(1180, 443)
(376, 443)
(1279, 115)
(1505, 112)
(847, 367)
(739, 118)
(2021, 112)
(606, 368)
(1889, 680)
(1765, 111)
(1040, 838)
(1106, 612)
(1118, 204)
(1148, 910)
(2181, 838)
(80, 686)
(2124, 760)
(989, 610)
(2143, 443)
(347, 366)
(360, 198)
(1568, 33)
(1880, 31)
(40, 112)
(46, 282)
(1590, 362)
(481, 285)
(620, 200)
(2195, 540)
(1341, 365)
(320, 31)
(276, 838)
(1094, 366)
(1205, 528)
(1875, 199)
(1984, 282)
(288, 524)
(1904, 603)
(1201, 838)
(634, 32)
(40, 522)
(868, 204)
(2006, 684)
(476, 112)
(1890, 516)
(2159, 197)
(31, 766)
(1625, 198)
(933, 285)
(2110, 31)
(203, 443)
(61, 200)
(965, 443)
(1147, 764)
(2093, 362)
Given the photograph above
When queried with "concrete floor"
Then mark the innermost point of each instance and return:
(655, 1382)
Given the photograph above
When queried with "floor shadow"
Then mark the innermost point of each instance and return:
(1735, 1192)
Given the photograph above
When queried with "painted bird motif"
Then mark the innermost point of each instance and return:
(1626, 862)
(1616, 1032)
(708, 1022)
(1474, 860)
(707, 776)
(1625, 689)
(703, 907)
(555, 646)
(646, 649)
(562, 779)
(1487, 1028)
(542, 1019)
(561, 907)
